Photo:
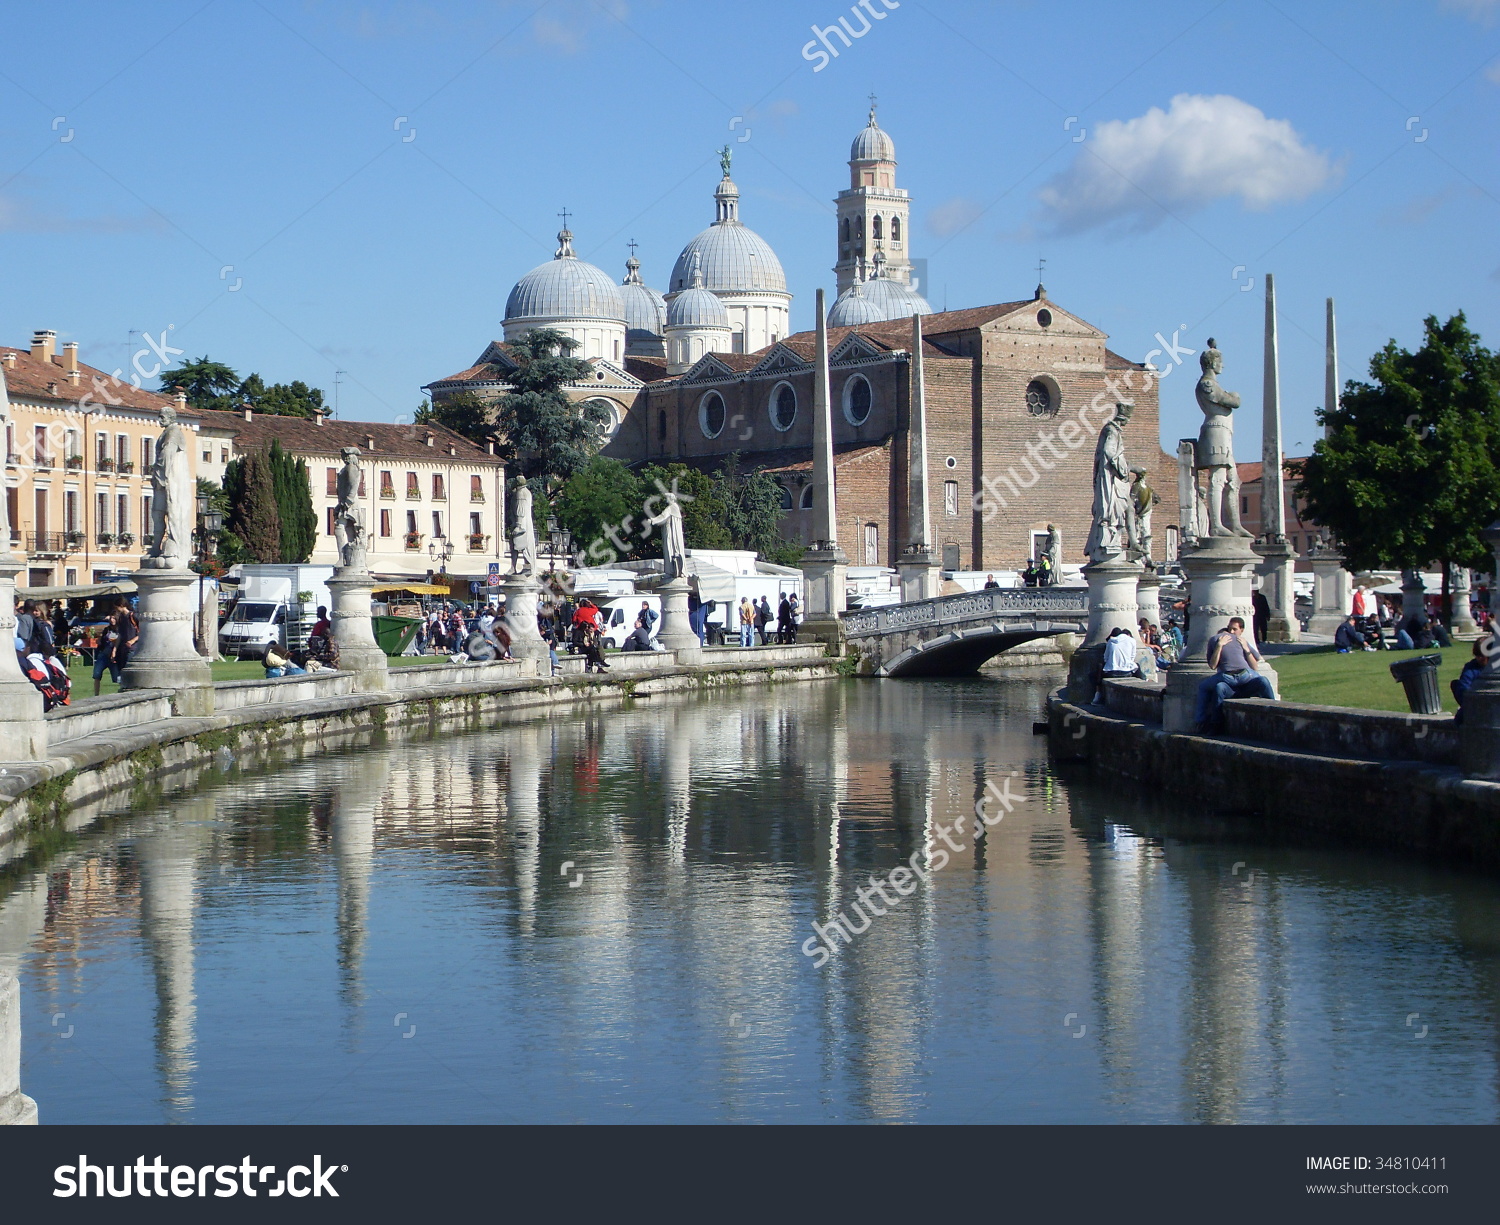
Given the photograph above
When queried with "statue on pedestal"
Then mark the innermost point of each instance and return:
(173, 498)
(1215, 450)
(523, 529)
(1114, 515)
(673, 547)
(348, 517)
(1143, 499)
(1053, 549)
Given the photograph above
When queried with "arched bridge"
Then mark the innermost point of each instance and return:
(954, 634)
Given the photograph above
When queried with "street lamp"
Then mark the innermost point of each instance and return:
(440, 550)
(210, 524)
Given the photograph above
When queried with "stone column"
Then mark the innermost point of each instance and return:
(676, 633)
(208, 622)
(23, 732)
(1187, 496)
(15, 1106)
(1463, 625)
(1148, 602)
(1332, 591)
(354, 632)
(1219, 578)
(166, 656)
(1112, 603)
(918, 564)
(526, 641)
(824, 564)
(1413, 593)
(1280, 558)
(1330, 367)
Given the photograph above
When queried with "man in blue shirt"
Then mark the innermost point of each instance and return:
(1236, 662)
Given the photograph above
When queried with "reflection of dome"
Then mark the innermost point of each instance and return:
(644, 309)
(872, 144)
(852, 308)
(565, 288)
(732, 256)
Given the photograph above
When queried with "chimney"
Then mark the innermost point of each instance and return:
(248, 413)
(181, 400)
(52, 389)
(318, 417)
(70, 357)
(43, 344)
(452, 450)
(75, 376)
(10, 360)
(369, 442)
(428, 440)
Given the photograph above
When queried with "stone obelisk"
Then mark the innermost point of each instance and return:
(1280, 559)
(824, 564)
(918, 565)
(1332, 585)
(1330, 367)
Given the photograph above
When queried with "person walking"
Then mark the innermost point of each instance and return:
(763, 621)
(648, 615)
(747, 622)
(796, 615)
(785, 632)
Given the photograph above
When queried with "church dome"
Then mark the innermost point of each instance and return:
(696, 307)
(894, 300)
(852, 308)
(873, 144)
(645, 311)
(565, 287)
(733, 257)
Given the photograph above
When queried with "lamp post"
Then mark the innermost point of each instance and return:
(440, 550)
(210, 524)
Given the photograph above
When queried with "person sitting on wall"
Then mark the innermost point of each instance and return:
(1236, 663)
(1348, 638)
(278, 664)
(1473, 669)
(639, 639)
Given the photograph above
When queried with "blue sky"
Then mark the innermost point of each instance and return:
(374, 177)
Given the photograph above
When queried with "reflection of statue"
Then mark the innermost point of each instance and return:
(1114, 517)
(673, 547)
(1143, 498)
(348, 517)
(1053, 549)
(172, 498)
(1215, 454)
(523, 530)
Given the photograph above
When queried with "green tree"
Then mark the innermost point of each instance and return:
(294, 399)
(752, 506)
(464, 413)
(294, 508)
(703, 509)
(602, 502)
(254, 530)
(1407, 474)
(544, 435)
(208, 384)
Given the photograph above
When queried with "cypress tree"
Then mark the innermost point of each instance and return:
(255, 519)
(298, 520)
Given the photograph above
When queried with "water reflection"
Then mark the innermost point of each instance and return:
(601, 916)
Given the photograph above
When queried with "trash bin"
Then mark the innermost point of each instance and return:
(1419, 677)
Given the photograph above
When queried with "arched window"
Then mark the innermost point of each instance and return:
(783, 406)
(857, 399)
(807, 497)
(661, 426)
(844, 230)
(859, 228)
(1041, 399)
(895, 229)
(711, 414)
(786, 497)
(876, 232)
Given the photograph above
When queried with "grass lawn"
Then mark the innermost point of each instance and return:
(1361, 678)
(223, 670)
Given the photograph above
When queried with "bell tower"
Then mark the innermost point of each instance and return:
(872, 211)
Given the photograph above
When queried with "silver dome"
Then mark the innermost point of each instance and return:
(873, 144)
(645, 311)
(696, 307)
(732, 256)
(565, 287)
(894, 300)
(852, 308)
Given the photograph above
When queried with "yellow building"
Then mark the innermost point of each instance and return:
(79, 447)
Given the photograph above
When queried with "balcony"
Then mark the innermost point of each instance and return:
(46, 544)
(45, 461)
(73, 463)
(476, 495)
(413, 495)
(413, 541)
(388, 491)
(477, 542)
(105, 464)
(125, 465)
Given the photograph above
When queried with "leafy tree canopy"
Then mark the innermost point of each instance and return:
(463, 412)
(603, 501)
(1407, 475)
(544, 435)
(214, 386)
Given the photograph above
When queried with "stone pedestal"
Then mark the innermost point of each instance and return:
(676, 633)
(526, 641)
(1279, 562)
(1147, 596)
(208, 621)
(1218, 573)
(354, 633)
(1112, 603)
(23, 732)
(921, 576)
(166, 657)
(1413, 594)
(1464, 625)
(824, 596)
(1332, 592)
(15, 1106)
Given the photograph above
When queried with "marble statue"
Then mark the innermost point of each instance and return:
(523, 529)
(1113, 514)
(173, 498)
(1143, 499)
(1215, 452)
(673, 548)
(348, 516)
(1053, 549)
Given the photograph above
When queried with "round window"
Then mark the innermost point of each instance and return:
(1040, 400)
(783, 406)
(951, 461)
(1044, 317)
(711, 414)
(857, 399)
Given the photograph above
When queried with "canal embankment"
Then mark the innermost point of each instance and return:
(1374, 777)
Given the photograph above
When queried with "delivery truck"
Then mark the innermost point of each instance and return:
(273, 605)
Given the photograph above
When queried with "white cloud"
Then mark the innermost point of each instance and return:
(19, 216)
(1131, 173)
(953, 215)
(1492, 73)
(566, 24)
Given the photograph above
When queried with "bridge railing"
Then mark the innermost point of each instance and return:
(967, 605)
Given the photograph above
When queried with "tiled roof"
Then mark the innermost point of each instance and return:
(482, 373)
(848, 454)
(1113, 361)
(890, 335)
(30, 377)
(647, 369)
(302, 436)
(1290, 464)
(775, 461)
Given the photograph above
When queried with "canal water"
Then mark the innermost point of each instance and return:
(604, 917)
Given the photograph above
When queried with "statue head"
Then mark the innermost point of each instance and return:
(1050, 528)
(1138, 473)
(1211, 361)
(168, 415)
(1123, 410)
(351, 455)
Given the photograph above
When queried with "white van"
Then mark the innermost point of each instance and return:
(618, 616)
